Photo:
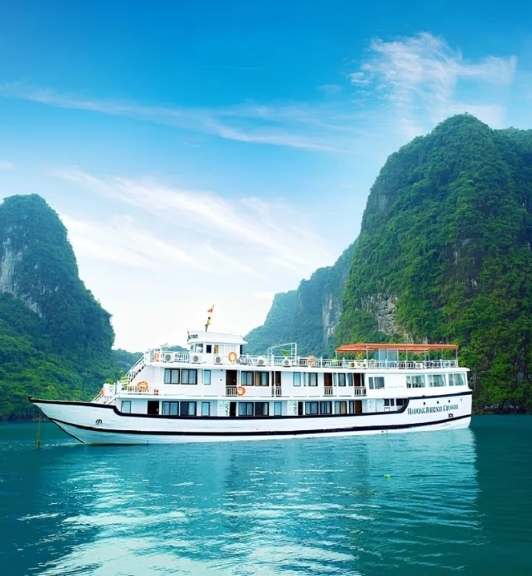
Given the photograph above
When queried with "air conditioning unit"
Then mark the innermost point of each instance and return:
(218, 359)
(261, 361)
(195, 358)
(419, 365)
(352, 364)
(287, 363)
(168, 357)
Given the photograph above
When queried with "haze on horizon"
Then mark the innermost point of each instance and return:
(202, 154)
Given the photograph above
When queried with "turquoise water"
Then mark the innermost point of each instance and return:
(451, 502)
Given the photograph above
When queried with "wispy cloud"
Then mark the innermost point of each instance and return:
(419, 78)
(6, 165)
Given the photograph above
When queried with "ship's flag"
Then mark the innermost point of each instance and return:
(210, 310)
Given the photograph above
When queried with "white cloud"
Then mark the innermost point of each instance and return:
(419, 78)
(6, 165)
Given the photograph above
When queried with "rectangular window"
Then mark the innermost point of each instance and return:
(311, 407)
(376, 382)
(171, 376)
(187, 409)
(351, 406)
(326, 407)
(297, 378)
(170, 408)
(416, 381)
(436, 380)
(207, 377)
(189, 376)
(126, 406)
(389, 402)
(245, 408)
(277, 408)
(205, 408)
(341, 379)
(459, 379)
(262, 378)
(262, 408)
(350, 379)
(312, 379)
(246, 378)
(400, 401)
(340, 407)
(208, 348)
(216, 349)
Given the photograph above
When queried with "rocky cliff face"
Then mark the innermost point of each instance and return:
(308, 315)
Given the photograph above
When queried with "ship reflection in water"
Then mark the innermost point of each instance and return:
(401, 504)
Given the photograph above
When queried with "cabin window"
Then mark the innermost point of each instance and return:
(416, 381)
(312, 379)
(171, 376)
(216, 349)
(170, 408)
(262, 378)
(199, 347)
(389, 402)
(208, 348)
(277, 408)
(205, 408)
(297, 378)
(187, 408)
(400, 402)
(311, 407)
(189, 376)
(349, 379)
(341, 379)
(207, 377)
(246, 378)
(436, 380)
(262, 408)
(245, 408)
(351, 406)
(126, 406)
(340, 407)
(456, 380)
(376, 382)
(326, 407)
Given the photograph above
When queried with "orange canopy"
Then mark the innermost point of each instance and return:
(361, 347)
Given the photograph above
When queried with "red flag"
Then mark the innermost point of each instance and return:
(210, 310)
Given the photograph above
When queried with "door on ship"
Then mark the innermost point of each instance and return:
(231, 378)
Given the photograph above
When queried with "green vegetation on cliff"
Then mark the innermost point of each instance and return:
(55, 338)
(445, 255)
(307, 315)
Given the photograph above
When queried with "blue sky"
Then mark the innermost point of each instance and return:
(214, 152)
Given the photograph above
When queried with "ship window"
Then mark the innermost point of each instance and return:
(206, 377)
(170, 408)
(456, 380)
(376, 382)
(297, 378)
(171, 376)
(351, 406)
(262, 378)
(326, 407)
(199, 347)
(245, 408)
(350, 379)
(416, 381)
(340, 407)
(262, 408)
(400, 402)
(126, 406)
(187, 409)
(311, 407)
(436, 380)
(246, 378)
(341, 379)
(277, 408)
(389, 402)
(209, 348)
(189, 376)
(312, 379)
(216, 349)
(205, 408)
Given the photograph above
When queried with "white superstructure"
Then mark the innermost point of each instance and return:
(215, 392)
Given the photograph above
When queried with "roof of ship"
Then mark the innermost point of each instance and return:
(214, 337)
(363, 347)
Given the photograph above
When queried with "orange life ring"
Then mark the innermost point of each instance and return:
(142, 386)
(240, 390)
(232, 357)
(311, 360)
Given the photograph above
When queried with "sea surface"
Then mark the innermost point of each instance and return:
(427, 503)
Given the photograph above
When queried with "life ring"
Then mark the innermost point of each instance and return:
(142, 386)
(102, 393)
(240, 390)
(232, 357)
(311, 360)
(372, 363)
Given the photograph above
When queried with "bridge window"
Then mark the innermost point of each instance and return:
(436, 380)
(297, 378)
(376, 382)
(205, 408)
(171, 376)
(208, 348)
(126, 406)
(311, 407)
(456, 380)
(206, 377)
(416, 381)
(312, 379)
(189, 376)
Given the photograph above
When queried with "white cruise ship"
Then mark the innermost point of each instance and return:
(215, 392)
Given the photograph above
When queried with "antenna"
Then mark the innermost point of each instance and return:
(209, 312)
